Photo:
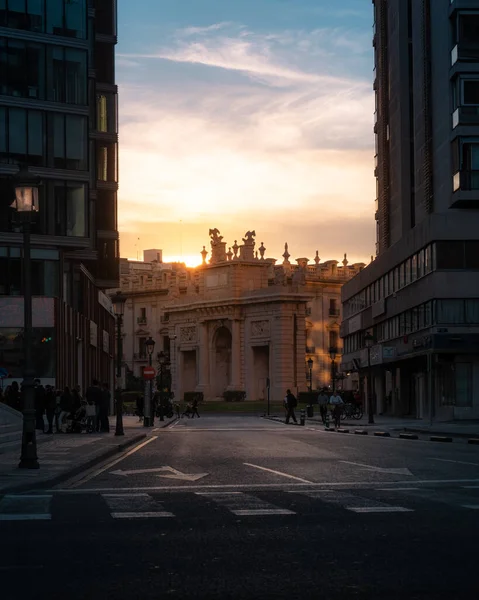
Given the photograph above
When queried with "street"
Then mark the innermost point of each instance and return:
(243, 507)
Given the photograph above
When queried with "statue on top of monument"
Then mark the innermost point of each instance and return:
(215, 236)
(248, 239)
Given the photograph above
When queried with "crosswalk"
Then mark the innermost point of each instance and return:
(89, 507)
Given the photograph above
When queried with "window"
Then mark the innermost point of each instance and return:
(472, 254)
(333, 310)
(102, 159)
(76, 142)
(420, 264)
(463, 372)
(142, 347)
(449, 255)
(58, 141)
(428, 260)
(407, 272)
(414, 268)
(470, 92)
(35, 137)
(101, 115)
(449, 312)
(56, 74)
(401, 276)
(55, 16)
(107, 162)
(75, 18)
(17, 133)
(333, 339)
(472, 311)
(70, 209)
(75, 76)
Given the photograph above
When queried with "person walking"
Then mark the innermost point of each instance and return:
(337, 403)
(140, 403)
(104, 408)
(194, 408)
(50, 405)
(291, 404)
(66, 403)
(93, 397)
(39, 405)
(323, 405)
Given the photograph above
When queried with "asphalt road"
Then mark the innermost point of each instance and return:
(241, 507)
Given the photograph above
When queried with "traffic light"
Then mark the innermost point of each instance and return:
(45, 340)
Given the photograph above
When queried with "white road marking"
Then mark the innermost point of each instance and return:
(352, 502)
(25, 508)
(471, 487)
(244, 504)
(457, 462)
(397, 489)
(279, 473)
(170, 473)
(403, 471)
(134, 506)
(260, 486)
(243, 429)
(379, 509)
(113, 463)
(472, 506)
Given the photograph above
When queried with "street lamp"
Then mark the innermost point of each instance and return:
(370, 341)
(26, 206)
(310, 367)
(161, 363)
(119, 300)
(332, 355)
(149, 407)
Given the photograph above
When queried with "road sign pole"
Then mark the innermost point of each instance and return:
(146, 405)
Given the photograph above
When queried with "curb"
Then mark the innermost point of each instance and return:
(408, 436)
(343, 430)
(460, 434)
(382, 434)
(76, 470)
(361, 432)
(440, 438)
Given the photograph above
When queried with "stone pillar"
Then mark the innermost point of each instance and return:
(204, 360)
(235, 383)
(282, 357)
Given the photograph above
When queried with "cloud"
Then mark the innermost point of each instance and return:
(187, 31)
(269, 137)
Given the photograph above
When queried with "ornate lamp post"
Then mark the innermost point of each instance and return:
(370, 341)
(161, 363)
(332, 355)
(149, 407)
(310, 367)
(119, 301)
(26, 206)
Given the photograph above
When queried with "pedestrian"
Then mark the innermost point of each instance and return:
(337, 403)
(104, 408)
(50, 404)
(66, 406)
(93, 397)
(194, 408)
(291, 404)
(58, 411)
(140, 403)
(13, 396)
(323, 405)
(39, 405)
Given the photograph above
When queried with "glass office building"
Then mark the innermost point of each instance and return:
(58, 116)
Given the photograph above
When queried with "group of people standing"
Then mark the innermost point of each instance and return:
(55, 406)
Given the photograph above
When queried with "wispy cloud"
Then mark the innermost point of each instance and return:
(283, 137)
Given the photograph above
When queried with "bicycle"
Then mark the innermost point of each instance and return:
(352, 411)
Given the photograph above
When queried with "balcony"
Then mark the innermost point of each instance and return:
(165, 318)
(465, 189)
(310, 349)
(465, 115)
(334, 312)
(141, 321)
(140, 356)
(467, 50)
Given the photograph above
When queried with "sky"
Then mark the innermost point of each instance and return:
(246, 115)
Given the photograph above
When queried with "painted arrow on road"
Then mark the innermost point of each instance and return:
(168, 472)
(378, 469)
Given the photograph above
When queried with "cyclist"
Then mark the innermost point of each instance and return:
(337, 403)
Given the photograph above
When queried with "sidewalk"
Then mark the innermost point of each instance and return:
(469, 429)
(63, 456)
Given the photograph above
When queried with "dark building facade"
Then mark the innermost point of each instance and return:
(420, 296)
(59, 116)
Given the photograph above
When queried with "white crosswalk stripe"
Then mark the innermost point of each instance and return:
(135, 506)
(244, 504)
(353, 502)
(25, 508)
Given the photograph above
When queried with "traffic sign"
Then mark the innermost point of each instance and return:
(149, 373)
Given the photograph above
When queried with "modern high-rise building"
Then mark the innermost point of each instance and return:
(58, 117)
(420, 297)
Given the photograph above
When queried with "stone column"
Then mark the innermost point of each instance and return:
(235, 383)
(204, 360)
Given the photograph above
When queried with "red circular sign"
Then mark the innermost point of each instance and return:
(149, 373)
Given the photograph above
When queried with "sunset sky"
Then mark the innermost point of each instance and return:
(246, 114)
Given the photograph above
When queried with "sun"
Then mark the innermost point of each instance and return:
(190, 260)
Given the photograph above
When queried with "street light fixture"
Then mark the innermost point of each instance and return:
(119, 300)
(26, 206)
(149, 417)
(370, 341)
(310, 367)
(332, 355)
